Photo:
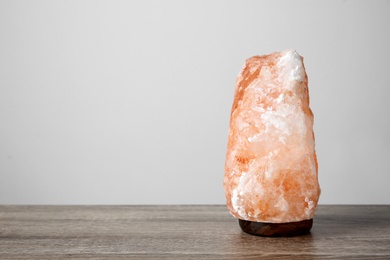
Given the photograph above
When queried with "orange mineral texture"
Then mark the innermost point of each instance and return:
(271, 171)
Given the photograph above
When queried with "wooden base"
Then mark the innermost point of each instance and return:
(276, 229)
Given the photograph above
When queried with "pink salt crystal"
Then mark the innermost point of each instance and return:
(271, 165)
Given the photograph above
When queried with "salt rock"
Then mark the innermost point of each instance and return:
(271, 170)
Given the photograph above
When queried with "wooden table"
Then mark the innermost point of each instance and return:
(184, 232)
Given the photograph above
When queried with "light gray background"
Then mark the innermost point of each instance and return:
(128, 102)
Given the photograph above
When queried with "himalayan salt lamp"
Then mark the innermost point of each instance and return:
(271, 181)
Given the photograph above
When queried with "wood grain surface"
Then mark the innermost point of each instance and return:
(184, 232)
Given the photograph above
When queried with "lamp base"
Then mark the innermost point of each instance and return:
(288, 229)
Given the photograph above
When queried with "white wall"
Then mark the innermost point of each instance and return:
(128, 102)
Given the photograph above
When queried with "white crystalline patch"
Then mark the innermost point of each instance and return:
(291, 69)
(282, 139)
(299, 120)
(280, 98)
(286, 119)
(282, 204)
(270, 165)
(310, 204)
(268, 173)
(273, 119)
(236, 200)
(276, 118)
